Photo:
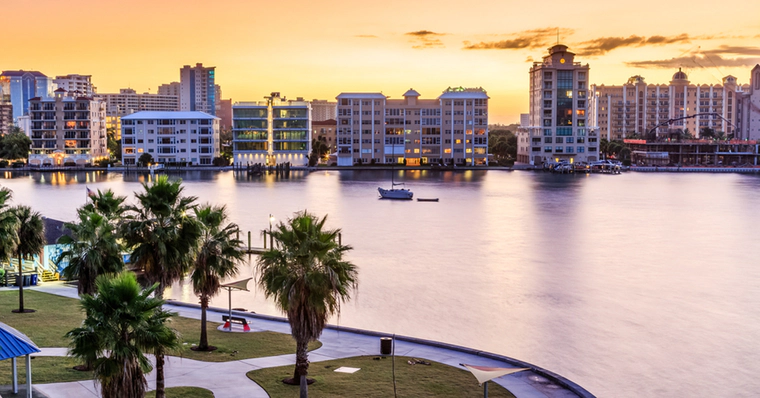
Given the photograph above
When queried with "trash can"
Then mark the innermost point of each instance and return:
(34, 279)
(27, 280)
(386, 345)
(19, 280)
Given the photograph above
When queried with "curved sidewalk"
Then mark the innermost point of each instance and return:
(228, 379)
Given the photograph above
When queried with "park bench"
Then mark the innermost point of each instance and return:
(235, 319)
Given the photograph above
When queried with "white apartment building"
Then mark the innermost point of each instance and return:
(170, 137)
(172, 88)
(76, 85)
(452, 128)
(558, 127)
(197, 89)
(67, 130)
(749, 108)
(271, 132)
(637, 107)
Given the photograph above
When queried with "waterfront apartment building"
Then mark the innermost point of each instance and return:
(67, 130)
(322, 110)
(128, 101)
(325, 131)
(197, 89)
(637, 107)
(451, 129)
(558, 127)
(21, 86)
(271, 132)
(170, 137)
(76, 85)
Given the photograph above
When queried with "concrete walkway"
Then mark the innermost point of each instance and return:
(228, 379)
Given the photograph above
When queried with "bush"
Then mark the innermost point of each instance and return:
(3, 164)
(67, 164)
(105, 162)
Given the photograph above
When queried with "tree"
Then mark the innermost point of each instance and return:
(144, 159)
(93, 250)
(114, 144)
(8, 226)
(219, 253)
(122, 324)
(163, 239)
(308, 278)
(15, 145)
(31, 240)
(318, 150)
(225, 142)
(707, 133)
(107, 204)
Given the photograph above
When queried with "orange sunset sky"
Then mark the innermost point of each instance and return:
(319, 49)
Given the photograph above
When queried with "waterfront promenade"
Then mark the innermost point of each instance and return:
(228, 379)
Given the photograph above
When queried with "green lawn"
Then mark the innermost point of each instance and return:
(57, 315)
(44, 370)
(247, 345)
(183, 392)
(375, 380)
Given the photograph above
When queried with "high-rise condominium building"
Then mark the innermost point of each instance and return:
(6, 117)
(224, 113)
(170, 137)
(197, 89)
(637, 107)
(558, 127)
(271, 132)
(76, 85)
(749, 108)
(67, 130)
(322, 110)
(452, 128)
(172, 88)
(128, 101)
(21, 86)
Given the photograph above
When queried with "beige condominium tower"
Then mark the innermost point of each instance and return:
(558, 128)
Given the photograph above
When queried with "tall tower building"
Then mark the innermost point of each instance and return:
(197, 89)
(21, 86)
(76, 85)
(558, 127)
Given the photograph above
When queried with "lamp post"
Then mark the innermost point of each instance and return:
(271, 239)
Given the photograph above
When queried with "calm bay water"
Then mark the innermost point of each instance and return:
(631, 285)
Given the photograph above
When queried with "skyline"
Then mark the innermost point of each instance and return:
(313, 51)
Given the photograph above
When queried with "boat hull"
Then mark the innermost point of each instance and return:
(397, 194)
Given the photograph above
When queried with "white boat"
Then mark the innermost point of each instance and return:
(395, 193)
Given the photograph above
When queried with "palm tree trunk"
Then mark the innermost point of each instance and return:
(203, 345)
(302, 360)
(160, 382)
(20, 286)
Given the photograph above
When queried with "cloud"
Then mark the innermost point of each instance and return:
(366, 36)
(604, 45)
(702, 61)
(527, 39)
(425, 39)
(736, 50)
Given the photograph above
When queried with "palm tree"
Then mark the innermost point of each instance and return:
(122, 323)
(92, 251)
(106, 203)
(31, 240)
(218, 255)
(308, 278)
(8, 226)
(163, 239)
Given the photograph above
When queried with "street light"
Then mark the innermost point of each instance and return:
(271, 239)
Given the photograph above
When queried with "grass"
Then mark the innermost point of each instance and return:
(44, 370)
(183, 392)
(247, 345)
(57, 315)
(375, 380)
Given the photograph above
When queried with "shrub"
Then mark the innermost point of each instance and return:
(3, 164)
